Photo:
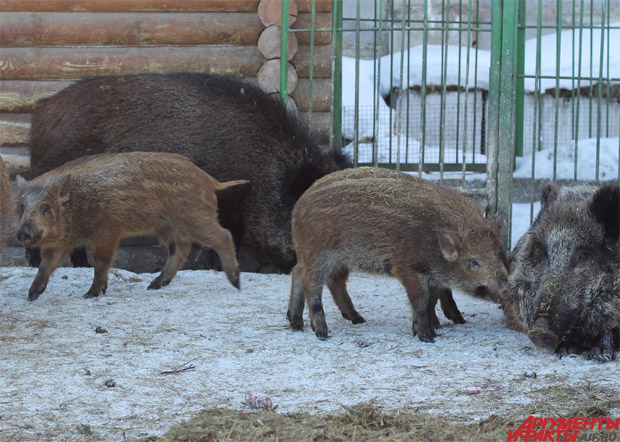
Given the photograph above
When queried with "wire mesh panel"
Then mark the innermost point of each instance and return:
(415, 83)
(569, 127)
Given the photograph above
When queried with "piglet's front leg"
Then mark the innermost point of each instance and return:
(50, 259)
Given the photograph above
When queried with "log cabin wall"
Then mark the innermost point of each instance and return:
(47, 45)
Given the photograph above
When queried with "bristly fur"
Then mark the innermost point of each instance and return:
(229, 127)
(565, 271)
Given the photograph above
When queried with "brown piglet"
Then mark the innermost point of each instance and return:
(432, 238)
(100, 199)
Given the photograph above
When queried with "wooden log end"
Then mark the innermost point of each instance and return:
(270, 12)
(269, 43)
(269, 77)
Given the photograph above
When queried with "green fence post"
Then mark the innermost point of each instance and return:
(284, 52)
(520, 80)
(507, 118)
(494, 95)
(336, 107)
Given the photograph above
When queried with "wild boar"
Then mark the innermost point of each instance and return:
(428, 236)
(5, 208)
(100, 199)
(448, 305)
(565, 272)
(229, 127)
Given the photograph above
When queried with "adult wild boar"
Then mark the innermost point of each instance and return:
(429, 236)
(5, 208)
(565, 272)
(100, 199)
(230, 128)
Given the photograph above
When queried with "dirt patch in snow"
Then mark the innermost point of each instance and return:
(57, 371)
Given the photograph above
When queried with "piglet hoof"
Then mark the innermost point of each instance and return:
(155, 284)
(424, 335)
(297, 322)
(320, 328)
(233, 277)
(94, 292)
(457, 318)
(33, 294)
(354, 318)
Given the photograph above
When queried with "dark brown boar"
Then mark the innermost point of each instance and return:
(100, 199)
(428, 236)
(5, 208)
(565, 272)
(448, 305)
(229, 127)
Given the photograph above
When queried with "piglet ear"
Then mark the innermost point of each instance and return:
(605, 206)
(64, 189)
(450, 244)
(549, 194)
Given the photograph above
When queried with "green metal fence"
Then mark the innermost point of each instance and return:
(502, 91)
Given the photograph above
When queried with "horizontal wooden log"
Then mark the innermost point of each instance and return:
(322, 61)
(14, 133)
(17, 164)
(321, 94)
(269, 43)
(322, 21)
(320, 125)
(320, 5)
(71, 63)
(128, 5)
(270, 12)
(269, 77)
(129, 29)
(21, 96)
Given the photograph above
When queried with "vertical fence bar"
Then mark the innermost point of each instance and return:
(356, 114)
(399, 111)
(466, 112)
(558, 60)
(458, 85)
(591, 74)
(494, 97)
(311, 70)
(377, 86)
(506, 118)
(336, 106)
(536, 121)
(284, 52)
(580, 57)
(600, 93)
(520, 91)
(445, 36)
(423, 90)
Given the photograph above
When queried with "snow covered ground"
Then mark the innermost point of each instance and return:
(54, 365)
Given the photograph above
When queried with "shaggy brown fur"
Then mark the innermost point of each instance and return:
(99, 200)
(429, 236)
(565, 272)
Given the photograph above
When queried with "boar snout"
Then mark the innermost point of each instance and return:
(495, 289)
(542, 336)
(25, 235)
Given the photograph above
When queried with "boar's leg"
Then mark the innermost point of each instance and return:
(177, 254)
(603, 350)
(419, 300)
(337, 284)
(313, 290)
(295, 310)
(50, 259)
(103, 255)
(211, 234)
(449, 308)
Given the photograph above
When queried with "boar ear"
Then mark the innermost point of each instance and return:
(450, 244)
(605, 206)
(549, 194)
(64, 189)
